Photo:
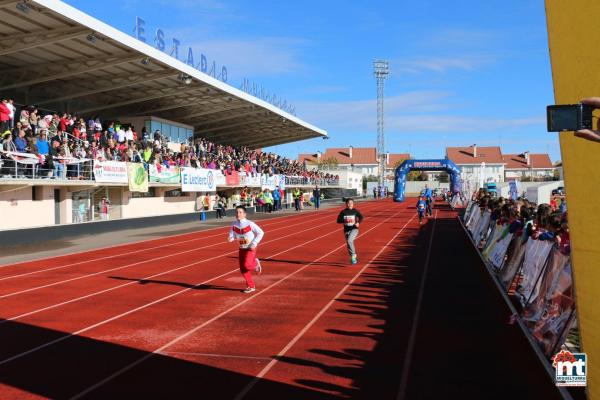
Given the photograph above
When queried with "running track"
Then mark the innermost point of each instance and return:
(166, 319)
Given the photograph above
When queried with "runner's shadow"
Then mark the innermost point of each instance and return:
(75, 363)
(171, 283)
(300, 262)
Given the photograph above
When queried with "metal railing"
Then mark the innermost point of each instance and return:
(14, 165)
(30, 166)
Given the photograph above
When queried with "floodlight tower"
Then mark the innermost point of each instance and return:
(382, 70)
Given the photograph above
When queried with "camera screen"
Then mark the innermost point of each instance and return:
(564, 119)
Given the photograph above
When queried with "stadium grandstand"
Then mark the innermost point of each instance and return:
(83, 100)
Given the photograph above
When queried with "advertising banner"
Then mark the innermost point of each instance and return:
(110, 172)
(513, 189)
(557, 311)
(198, 180)
(480, 230)
(219, 177)
(514, 258)
(536, 255)
(272, 181)
(138, 177)
(497, 254)
(165, 174)
(232, 179)
(249, 180)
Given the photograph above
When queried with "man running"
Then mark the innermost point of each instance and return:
(248, 235)
(351, 218)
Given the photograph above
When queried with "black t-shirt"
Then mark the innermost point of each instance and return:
(349, 217)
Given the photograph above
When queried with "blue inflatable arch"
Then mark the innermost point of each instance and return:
(425, 165)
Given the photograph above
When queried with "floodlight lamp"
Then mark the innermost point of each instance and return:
(145, 60)
(382, 67)
(23, 7)
(91, 37)
(186, 79)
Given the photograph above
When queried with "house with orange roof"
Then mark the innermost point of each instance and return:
(363, 160)
(526, 164)
(478, 161)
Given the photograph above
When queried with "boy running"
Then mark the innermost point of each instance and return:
(248, 235)
(351, 218)
(421, 207)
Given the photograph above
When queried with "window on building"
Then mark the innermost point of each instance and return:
(176, 193)
(138, 195)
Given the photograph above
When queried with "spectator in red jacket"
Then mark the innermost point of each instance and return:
(4, 116)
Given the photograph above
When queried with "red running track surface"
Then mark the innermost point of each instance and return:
(166, 318)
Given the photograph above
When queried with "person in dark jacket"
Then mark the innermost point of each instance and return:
(351, 218)
(317, 197)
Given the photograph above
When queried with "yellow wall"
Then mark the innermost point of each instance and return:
(574, 35)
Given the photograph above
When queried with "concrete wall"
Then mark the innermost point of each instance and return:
(415, 187)
(159, 205)
(19, 210)
(541, 193)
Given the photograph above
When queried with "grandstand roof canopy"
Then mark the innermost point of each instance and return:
(49, 59)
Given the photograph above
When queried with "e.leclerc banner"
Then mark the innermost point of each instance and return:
(110, 172)
(198, 180)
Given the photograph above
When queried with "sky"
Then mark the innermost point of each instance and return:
(461, 73)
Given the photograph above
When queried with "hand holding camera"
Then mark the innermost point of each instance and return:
(574, 117)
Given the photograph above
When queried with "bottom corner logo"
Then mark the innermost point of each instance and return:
(571, 368)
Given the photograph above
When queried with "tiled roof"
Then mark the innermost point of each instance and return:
(360, 155)
(518, 161)
(466, 155)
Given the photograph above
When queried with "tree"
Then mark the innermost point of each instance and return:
(370, 178)
(443, 177)
(330, 163)
(413, 176)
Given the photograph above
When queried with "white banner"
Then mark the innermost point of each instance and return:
(110, 172)
(497, 254)
(219, 177)
(198, 180)
(22, 158)
(536, 255)
(271, 182)
(249, 180)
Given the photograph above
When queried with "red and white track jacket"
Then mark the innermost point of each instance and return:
(247, 233)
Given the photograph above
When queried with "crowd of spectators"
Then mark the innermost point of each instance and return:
(536, 222)
(62, 141)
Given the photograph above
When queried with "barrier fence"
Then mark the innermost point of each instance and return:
(536, 273)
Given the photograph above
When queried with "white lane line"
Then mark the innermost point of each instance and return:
(60, 339)
(415, 323)
(218, 316)
(138, 263)
(124, 254)
(305, 329)
(145, 278)
(185, 353)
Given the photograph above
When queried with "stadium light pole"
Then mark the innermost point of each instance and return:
(382, 70)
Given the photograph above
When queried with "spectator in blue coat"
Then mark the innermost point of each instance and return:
(276, 199)
(42, 144)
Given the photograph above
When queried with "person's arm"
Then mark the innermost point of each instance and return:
(258, 235)
(589, 134)
(231, 236)
(340, 218)
(359, 218)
